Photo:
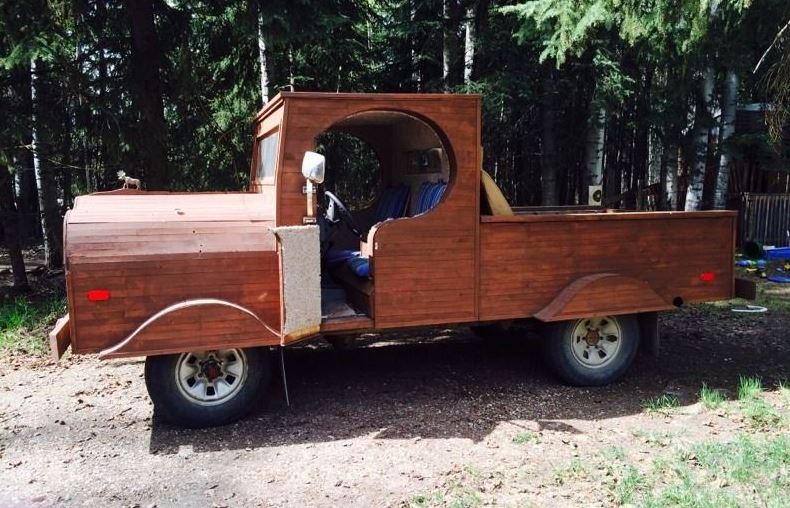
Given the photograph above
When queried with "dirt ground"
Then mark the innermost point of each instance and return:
(427, 417)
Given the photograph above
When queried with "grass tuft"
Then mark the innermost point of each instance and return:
(762, 415)
(711, 398)
(24, 324)
(661, 404)
(525, 437)
(749, 387)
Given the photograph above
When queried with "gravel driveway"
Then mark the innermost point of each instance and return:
(375, 425)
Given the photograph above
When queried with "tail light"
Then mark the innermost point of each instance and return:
(98, 295)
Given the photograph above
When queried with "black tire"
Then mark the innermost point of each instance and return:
(559, 347)
(177, 408)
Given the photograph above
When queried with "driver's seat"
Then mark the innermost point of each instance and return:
(393, 204)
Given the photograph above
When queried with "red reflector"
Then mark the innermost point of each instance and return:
(98, 295)
(707, 276)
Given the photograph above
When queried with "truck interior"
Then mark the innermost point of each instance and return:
(381, 166)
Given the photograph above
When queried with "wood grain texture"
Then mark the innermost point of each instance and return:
(60, 337)
(149, 256)
(173, 330)
(591, 295)
(526, 264)
(424, 267)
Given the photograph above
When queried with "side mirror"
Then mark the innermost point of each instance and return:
(313, 166)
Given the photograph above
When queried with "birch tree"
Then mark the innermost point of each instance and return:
(729, 105)
(51, 225)
(264, 72)
(593, 153)
(700, 140)
(470, 40)
(446, 45)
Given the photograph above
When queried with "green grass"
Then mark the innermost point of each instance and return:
(573, 470)
(762, 415)
(745, 471)
(711, 398)
(661, 404)
(525, 437)
(24, 324)
(628, 486)
(456, 496)
(749, 388)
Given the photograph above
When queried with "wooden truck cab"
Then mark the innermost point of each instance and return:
(193, 281)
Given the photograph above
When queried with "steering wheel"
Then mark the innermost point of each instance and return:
(335, 212)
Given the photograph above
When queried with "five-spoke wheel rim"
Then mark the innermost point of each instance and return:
(213, 377)
(595, 342)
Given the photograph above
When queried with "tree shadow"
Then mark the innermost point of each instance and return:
(450, 384)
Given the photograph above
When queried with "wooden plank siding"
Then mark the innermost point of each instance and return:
(424, 267)
(152, 251)
(526, 261)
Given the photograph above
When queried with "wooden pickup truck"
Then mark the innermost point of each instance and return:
(205, 285)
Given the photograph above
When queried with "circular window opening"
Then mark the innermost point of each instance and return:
(353, 170)
(372, 154)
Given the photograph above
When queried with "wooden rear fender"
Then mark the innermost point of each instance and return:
(603, 294)
(195, 325)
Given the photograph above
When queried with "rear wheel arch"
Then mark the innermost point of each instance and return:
(152, 336)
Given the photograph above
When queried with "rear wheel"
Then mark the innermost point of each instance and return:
(207, 388)
(593, 351)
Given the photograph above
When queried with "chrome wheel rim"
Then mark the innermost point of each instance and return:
(596, 342)
(209, 378)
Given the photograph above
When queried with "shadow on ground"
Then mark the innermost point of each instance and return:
(450, 384)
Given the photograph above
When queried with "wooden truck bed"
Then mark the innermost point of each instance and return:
(529, 262)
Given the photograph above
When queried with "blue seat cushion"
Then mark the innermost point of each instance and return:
(392, 203)
(429, 196)
(360, 266)
(337, 257)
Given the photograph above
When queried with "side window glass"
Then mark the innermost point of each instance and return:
(267, 157)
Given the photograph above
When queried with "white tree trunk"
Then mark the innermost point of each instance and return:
(469, 45)
(45, 184)
(445, 45)
(262, 61)
(701, 135)
(593, 154)
(654, 164)
(671, 168)
(729, 104)
(37, 164)
(415, 63)
(291, 78)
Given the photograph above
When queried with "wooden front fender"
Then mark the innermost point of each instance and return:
(602, 294)
(195, 325)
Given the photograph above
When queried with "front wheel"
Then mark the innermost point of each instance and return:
(593, 351)
(207, 388)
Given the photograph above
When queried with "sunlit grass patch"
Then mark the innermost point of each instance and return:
(760, 414)
(746, 471)
(711, 398)
(749, 387)
(24, 324)
(661, 404)
(525, 437)
(575, 469)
